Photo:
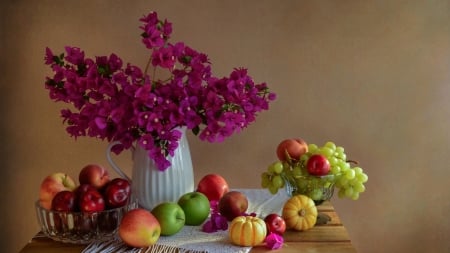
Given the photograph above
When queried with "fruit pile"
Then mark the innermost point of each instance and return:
(229, 212)
(213, 206)
(244, 229)
(84, 212)
(299, 213)
(141, 228)
(310, 170)
(96, 192)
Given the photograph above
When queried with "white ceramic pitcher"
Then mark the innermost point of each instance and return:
(152, 186)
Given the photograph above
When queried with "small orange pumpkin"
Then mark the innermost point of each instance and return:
(247, 231)
(300, 213)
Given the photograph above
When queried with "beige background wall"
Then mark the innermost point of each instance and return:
(373, 76)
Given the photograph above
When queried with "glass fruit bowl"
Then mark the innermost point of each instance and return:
(318, 188)
(81, 227)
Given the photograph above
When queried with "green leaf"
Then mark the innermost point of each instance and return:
(104, 70)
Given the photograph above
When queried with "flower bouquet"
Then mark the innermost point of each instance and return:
(121, 102)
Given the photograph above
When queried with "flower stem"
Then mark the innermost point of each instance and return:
(148, 65)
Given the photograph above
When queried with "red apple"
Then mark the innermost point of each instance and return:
(117, 192)
(213, 186)
(91, 201)
(275, 224)
(139, 228)
(83, 188)
(53, 184)
(64, 201)
(80, 190)
(291, 149)
(233, 204)
(318, 165)
(94, 175)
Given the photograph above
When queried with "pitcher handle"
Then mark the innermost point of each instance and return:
(112, 163)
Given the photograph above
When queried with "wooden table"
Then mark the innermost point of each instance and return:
(331, 237)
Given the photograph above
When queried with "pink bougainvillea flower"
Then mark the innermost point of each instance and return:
(115, 101)
(274, 241)
(163, 57)
(215, 223)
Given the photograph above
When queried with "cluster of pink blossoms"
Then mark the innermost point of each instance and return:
(120, 102)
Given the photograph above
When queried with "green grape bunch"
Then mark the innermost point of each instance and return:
(295, 175)
(272, 179)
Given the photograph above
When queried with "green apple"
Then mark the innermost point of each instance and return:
(195, 206)
(170, 216)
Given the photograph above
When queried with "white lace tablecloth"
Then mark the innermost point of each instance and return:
(192, 239)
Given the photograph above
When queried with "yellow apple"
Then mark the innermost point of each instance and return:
(53, 184)
(139, 228)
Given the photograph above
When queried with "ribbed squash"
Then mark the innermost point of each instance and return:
(300, 213)
(247, 231)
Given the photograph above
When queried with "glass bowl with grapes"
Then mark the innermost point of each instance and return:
(316, 173)
(318, 188)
